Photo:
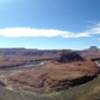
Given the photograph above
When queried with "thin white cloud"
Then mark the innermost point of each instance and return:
(96, 29)
(33, 32)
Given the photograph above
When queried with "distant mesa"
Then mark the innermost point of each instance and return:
(91, 53)
(70, 57)
(94, 48)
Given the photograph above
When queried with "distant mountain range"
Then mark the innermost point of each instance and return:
(92, 52)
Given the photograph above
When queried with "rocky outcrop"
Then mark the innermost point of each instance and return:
(91, 53)
(70, 57)
(55, 76)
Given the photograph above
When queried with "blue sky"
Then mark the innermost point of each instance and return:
(50, 24)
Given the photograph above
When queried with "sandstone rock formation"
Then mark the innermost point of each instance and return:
(70, 57)
(91, 53)
(55, 75)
